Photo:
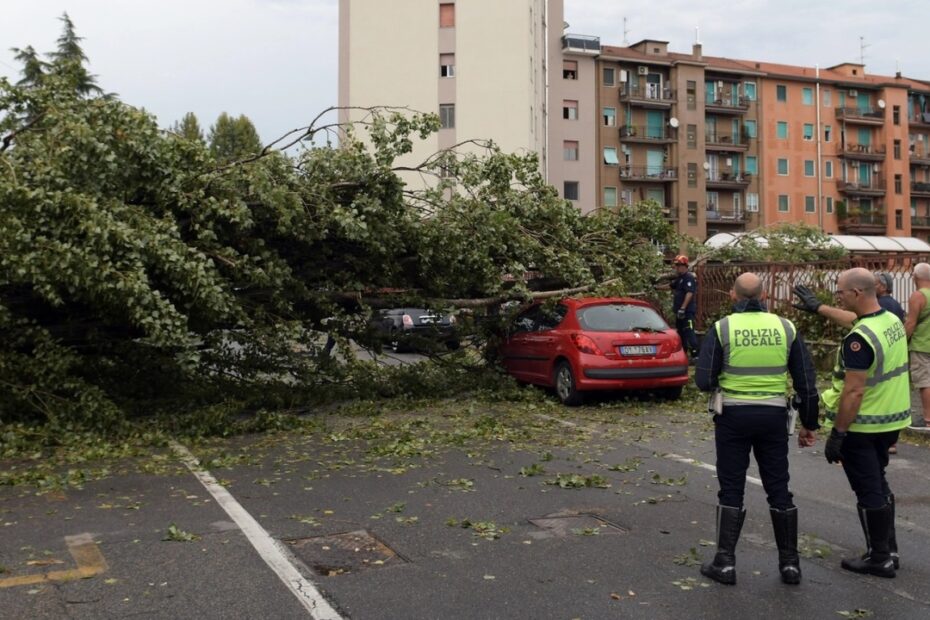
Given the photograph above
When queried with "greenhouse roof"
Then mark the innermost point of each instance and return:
(852, 243)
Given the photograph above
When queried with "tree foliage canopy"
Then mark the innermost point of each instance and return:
(141, 269)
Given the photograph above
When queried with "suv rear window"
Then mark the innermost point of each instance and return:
(620, 318)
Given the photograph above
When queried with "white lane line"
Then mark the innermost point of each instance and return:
(674, 457)
(264, 544)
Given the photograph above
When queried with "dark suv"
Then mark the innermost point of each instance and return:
(406, 329)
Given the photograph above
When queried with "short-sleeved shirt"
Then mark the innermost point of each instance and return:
(857, 353)
(683, 284)
(891, 304)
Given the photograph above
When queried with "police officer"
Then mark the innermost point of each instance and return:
(684, 304)
(867, 406)
(749, 356)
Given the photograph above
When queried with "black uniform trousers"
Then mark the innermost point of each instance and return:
(685, 329)
(763, 430)
(865, 457)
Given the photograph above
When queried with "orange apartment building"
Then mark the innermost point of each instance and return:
(729, 145)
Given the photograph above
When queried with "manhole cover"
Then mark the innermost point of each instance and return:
(574, 525)
(339, 554)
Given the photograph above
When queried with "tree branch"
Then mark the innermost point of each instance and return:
(8, 139)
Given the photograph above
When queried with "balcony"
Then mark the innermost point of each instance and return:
(647, 96)
(920, 119)
(727, 105)
(729, 143)
(648, 134)
(728, 180)
(919, 157)
(920, 190)
(861, 116)
(921, 222)
(726, 216)
(581, 44)
(868, 223)
(863, 152)
(648, 174)
(873, 186)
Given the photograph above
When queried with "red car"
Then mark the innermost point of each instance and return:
(582, 345)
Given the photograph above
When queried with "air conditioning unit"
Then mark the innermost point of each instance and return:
(853, 93)
(642, 70)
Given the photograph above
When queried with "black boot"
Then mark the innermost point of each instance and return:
(892, 539)
(729, 524)
(876, 524)
(785, 524)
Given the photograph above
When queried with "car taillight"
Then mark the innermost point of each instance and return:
(407, 320)
(676, 344)
(585, 344)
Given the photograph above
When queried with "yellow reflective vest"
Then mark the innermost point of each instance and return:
(886, 403)
(756, 346)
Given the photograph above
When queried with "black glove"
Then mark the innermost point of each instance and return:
(808, 300)
(834, 447)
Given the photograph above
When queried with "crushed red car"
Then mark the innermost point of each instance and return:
(587, 344)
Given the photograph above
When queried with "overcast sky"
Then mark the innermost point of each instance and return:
(276, 60)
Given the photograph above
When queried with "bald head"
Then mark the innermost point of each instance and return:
(859, 278)
(922, 271)
(748, 286)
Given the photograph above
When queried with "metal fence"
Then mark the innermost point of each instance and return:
(715, 280)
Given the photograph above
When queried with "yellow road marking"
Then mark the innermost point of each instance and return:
(86, 555)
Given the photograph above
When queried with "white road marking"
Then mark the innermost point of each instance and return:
(266, 546)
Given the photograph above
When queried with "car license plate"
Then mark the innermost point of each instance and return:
(638, 350)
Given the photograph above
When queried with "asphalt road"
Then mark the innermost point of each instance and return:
(379, 539)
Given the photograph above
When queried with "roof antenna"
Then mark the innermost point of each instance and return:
(626, 40)
(862, 46)
(697, 34)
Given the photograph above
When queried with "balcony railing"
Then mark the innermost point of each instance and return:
(868, 221)
(737, 216)
(728, 179)
(919, 156)
(648, 133)
(874, 185)
(920, 221)
(727, 105)
(869, 116)
(660, 174)
(727, 141)
(647, 94)
(920, 189)
(582, 43)
(919, 118)
(872, 152)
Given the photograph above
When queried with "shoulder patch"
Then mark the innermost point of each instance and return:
(855, 346)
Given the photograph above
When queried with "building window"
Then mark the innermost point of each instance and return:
(897, 149)
(827, 133)
(807, 96)
(781, 92)
(610, 156)
(570, 190)
(899, 219)
(692, 136)
(829, 204)
(447, 65)
(570, 110)
(808, 131)
(808, 167)
(897, 184)
(691, 89)
(692, 175)
(570, 150)
(609, 76)
(809, 205)
(626, 197)
(447, 116)
(896, 114)
(570, 69)
(828, 169)
(692, 212)
(713, 199)
(783, 167)
(610, 117)
(781, 130)
(752, 164)
(752, 202)
(749, 90)
(750, 128)
(783, 204)
(447, 15)
(610, 196)
(827, 98)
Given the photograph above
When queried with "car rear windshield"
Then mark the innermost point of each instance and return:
(620, 318)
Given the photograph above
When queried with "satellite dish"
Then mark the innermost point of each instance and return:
(881, 103)
(706, 165)
(673, 122)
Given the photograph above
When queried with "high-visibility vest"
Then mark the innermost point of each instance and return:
(920, 339)
(886, 403)
(756, 346)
